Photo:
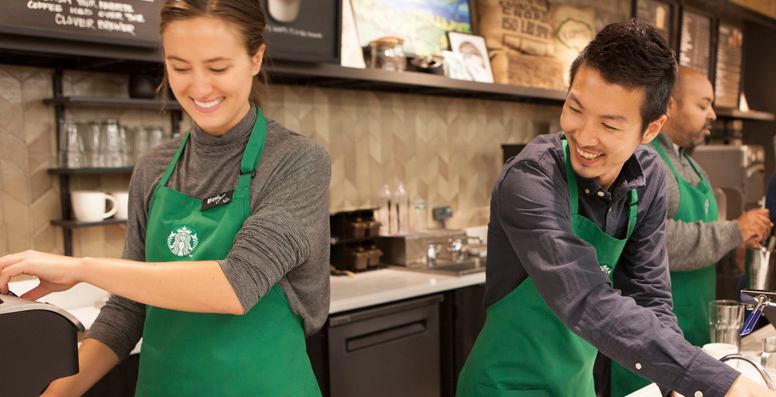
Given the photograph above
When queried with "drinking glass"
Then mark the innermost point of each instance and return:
(91, 139)
(138, 139)
(155, 136)
(71, 145)
(110, 144)
(725, 320)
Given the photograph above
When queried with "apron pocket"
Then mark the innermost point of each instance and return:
(486, 391)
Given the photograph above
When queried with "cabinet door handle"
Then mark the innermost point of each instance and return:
(386, 335)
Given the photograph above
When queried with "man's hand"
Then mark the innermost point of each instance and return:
(755, 226)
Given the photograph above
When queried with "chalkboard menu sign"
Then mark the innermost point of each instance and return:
(695, 41)
(728, 76)
(124, 22)
(656, 13)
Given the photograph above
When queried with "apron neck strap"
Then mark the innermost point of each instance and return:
(252, 154)
(174, 161)
(571, 177)
(670, 165)
(250, 158)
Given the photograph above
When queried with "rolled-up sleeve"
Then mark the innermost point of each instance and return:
(275, 238)
(631, 326)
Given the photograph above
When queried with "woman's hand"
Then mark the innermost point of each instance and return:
(56, 272)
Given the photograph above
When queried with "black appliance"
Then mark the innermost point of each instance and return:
(38, 344)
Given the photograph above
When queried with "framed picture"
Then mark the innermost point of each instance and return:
(471, 60)
(303, 30)
(422, 24)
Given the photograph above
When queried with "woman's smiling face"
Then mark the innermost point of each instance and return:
(210, 71)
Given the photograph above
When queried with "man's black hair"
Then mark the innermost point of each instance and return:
(633, 54)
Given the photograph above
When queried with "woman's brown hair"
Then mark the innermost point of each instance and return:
(246, 15)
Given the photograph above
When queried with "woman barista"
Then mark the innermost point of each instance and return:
(225, 262)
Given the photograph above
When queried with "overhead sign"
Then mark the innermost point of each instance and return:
(125, 22)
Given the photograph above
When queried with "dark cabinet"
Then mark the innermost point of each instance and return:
(462, 316)
(392, 350)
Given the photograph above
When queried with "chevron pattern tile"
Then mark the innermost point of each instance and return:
(444, 150)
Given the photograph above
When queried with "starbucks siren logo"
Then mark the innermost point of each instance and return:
(182, 241)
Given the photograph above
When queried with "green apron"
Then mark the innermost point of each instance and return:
(692, 291)
(524, 350)
(261, 353)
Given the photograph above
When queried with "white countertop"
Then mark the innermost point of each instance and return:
(750, 346)
(389, 285)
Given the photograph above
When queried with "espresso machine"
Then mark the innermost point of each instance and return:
(38, 344)
(739, 170)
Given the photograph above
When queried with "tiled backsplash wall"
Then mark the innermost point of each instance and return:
(444, 150)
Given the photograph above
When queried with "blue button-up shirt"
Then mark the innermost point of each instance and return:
(530, 235)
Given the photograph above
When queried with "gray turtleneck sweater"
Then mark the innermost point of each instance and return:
(692, 245)
(285, 240)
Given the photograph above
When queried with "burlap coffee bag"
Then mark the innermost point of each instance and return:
(521, 25)
(574, 28)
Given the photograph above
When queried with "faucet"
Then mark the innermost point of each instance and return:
(756, 365)
(431, 252)
(457, 249)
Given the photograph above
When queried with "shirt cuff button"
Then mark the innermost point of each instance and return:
(638, 366)
(698, 393)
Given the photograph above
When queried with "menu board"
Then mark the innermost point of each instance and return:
(658, 14)
(728, 78)
(695, 41)
(125, 22)
(303, 30)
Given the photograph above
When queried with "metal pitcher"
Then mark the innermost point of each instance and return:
(762, 269)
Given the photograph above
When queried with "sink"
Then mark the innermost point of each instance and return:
(449, 267)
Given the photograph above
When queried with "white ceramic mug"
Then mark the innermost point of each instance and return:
(122, 204)
(719, 350)
(284, 11)
(89, 206)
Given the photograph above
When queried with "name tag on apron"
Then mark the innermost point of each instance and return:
(217, 201)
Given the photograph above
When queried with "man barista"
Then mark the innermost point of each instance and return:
(571, 211)
(695, 238)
